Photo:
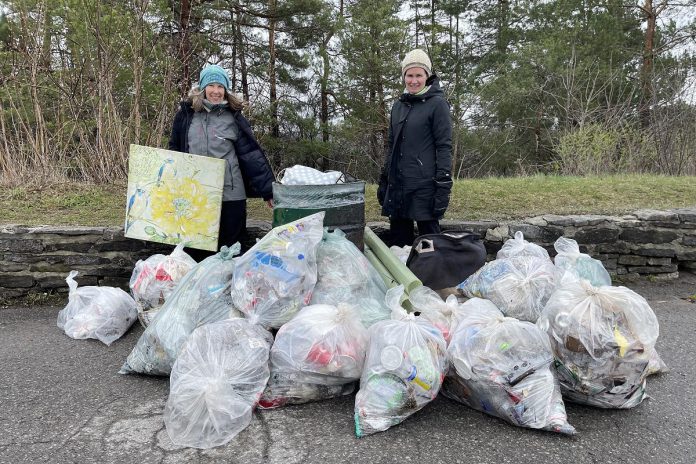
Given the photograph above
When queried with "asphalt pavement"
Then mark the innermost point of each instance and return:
(63, 401)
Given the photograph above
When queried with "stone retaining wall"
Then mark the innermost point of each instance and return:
(645, 243)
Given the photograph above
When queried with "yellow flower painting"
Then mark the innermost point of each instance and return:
(174, 197)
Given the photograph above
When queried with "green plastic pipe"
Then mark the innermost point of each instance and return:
(391, 262)
(388, 279)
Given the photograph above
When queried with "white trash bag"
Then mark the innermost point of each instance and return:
(431, 306)
(318, 355)
(518, 286)
(276, 277)
(503, 367)
(104, 313)
(344, 275)
(603, 339)
(304, 175)
(202, 297)
(403, 371)
(154, 279)
(518, 246)
(216, 382)
(569, 260)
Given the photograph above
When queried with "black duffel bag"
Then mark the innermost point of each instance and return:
(446, 260)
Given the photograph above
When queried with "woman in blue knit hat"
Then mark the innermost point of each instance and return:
(210, 123)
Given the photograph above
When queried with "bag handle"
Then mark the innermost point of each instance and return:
(425, 246)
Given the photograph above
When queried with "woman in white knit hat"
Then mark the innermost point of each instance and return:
(416, 180)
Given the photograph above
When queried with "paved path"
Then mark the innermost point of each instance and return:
(62, 401)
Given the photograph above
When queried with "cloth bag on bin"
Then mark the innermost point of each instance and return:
(344, 275)
(445, 260)
(403, 370)
(318, 355)
(518, 246)
(104, 313)
(503, 366)
(202, 297)
(304, 175)
(154, 279)
(570, 260)
(216, 382)
(603, 339)
(276, 277)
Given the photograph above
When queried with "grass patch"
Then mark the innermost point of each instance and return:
(472, 199)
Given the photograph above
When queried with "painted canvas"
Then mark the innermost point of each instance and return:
(174, 197)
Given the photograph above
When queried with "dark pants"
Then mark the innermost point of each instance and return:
(233, 217)
(401, 230)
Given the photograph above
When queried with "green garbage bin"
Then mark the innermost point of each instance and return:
(344, 205)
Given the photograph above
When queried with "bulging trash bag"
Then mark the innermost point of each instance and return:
(215, 383)
(276, 277)
(154, 279)
(318, 355)
(603, 339)
(518, 246)
(430, 306)
(569, 260)
(104, 313)
(474, 312)
(403, 371)
(518, 286)
(202, 297)
(503, 366)
(344, 275)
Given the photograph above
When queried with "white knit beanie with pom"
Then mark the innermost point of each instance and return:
(416, 59)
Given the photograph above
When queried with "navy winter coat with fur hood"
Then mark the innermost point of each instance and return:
(256, 170)
(416, 180)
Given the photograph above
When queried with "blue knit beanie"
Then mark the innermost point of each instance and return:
(213, 74)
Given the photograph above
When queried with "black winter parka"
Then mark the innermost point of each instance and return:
(416, 179)
(256, 170)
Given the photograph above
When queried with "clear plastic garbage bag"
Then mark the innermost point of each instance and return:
(104, 313)
(430, 306)
(202, 297)
(518, 246)
(215, 383)
(518, 286)
(344, 275)
(154, 279)
(403, 371)
(603, 339)
(318, 355)
(569, 260)
(503, 366)
(473, 312)
(276, 277)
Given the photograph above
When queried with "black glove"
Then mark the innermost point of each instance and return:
(382, 189)
(443, 187)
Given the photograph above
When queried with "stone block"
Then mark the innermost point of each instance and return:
(21, 246)
(74, 247)
(656, 252)
(589, 220)
(686, 215)
(648, 235)
(632, 260)
(686, 255)
(556, 220)
(16, 280)
(653, 269)
(659, 261)
(597, 235)
(498, 234)
(118, 282)
(689, 240)
(656, 215)
(610, 264)
(536, 234)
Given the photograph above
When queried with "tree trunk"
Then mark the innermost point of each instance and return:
(648, 59)
(184, 47)
(275, 127)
